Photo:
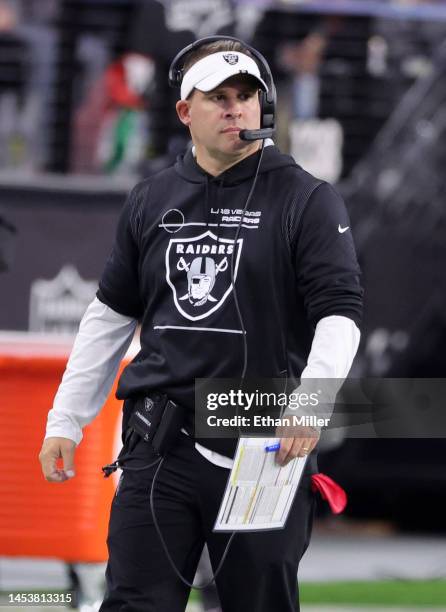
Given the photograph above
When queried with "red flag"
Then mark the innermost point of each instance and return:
(330, 491)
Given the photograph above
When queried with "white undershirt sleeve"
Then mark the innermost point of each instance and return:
(101, 343)
(334, 347)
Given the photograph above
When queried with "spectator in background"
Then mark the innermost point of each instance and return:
(301, 59)
(14, 63)
(26, 61)
(110, 127)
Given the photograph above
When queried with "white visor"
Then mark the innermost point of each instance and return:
(213, 69)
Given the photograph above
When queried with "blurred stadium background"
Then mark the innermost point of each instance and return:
(85, 111)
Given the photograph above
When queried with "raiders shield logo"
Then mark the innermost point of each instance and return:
(231, 58)
(198, 270)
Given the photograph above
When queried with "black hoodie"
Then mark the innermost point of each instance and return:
(294, 264)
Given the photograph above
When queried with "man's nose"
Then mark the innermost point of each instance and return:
(233, 108)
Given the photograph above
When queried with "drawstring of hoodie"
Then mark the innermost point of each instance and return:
(206, 204)
(219, 201)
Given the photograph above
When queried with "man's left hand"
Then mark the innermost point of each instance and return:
(297, 442)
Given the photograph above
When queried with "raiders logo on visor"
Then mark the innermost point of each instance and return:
(231, 58)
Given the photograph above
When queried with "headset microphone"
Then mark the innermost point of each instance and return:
(252, 135)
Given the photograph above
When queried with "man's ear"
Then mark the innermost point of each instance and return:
(183, 111)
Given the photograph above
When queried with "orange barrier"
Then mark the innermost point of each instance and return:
(40, 519)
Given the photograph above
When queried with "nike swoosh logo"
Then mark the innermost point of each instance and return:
(341, 230)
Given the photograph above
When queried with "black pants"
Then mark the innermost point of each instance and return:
(260, 571)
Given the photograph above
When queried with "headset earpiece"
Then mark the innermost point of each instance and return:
(269, 108)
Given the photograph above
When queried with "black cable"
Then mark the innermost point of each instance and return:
(112, 467)
(171, 561)
(143, 467)
(237, 305)
(237, 233)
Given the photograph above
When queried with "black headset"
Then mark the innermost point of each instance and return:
(267, 98)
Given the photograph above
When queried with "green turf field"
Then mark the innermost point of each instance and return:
(419, 594)
(404, 592)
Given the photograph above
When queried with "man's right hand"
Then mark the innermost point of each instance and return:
(52, 450)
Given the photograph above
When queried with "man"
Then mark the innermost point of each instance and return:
(293, 266)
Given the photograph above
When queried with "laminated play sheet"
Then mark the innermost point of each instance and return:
(259, 492)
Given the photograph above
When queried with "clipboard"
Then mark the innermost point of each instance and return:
(259, 492)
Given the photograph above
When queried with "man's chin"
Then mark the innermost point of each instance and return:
(235, 143)
(231, 137)
(235, 147)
